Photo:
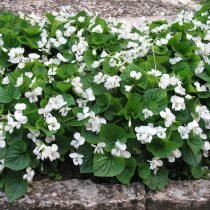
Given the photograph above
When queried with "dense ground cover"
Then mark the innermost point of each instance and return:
(116, 100)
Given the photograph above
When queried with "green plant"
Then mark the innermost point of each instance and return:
(116, 99)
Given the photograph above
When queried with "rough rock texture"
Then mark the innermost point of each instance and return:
(84, 195)
(78, 195)
(182, 195)
(106, 8)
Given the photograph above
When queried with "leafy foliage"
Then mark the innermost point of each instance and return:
(119, 101)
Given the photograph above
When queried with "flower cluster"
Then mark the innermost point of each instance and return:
(111, 98)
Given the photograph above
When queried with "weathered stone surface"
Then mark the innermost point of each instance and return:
(106, 8)
(182, 195)
(85, 195)
(78, 195)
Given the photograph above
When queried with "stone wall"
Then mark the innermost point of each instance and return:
(106, 8)
(84, 195)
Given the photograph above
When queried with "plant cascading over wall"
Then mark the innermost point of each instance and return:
(119, 101)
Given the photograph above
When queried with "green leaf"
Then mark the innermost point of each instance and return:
(88, 151)
(189, 157)
(128, 172)
(182, 46)
(155, 100)
(197, 172)
(63, 144)
(158, 181)
(161, 148)
(105, 165)
(66, 70)
(32, 30)
(89, 58)
(195, 143)
(63, 86)
(133, 108)
(69, 99)
(17, 157)
(7, 94)
(112, 132)
(144, 171)
(15, 186)
(183, 70)
(103, 101)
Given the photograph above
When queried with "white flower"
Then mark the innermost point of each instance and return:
(128, 88)
(61, 58)
(188, 97)
(33, 95)
(29, 74)
(194, 126)
(177, 103)
(1, 165)
(99, 78)
(79, 48)
(161, 42)
(75, 82)
(57, 102)
(43, 152)
(20, 107)
(69, 30)
(50, 139)
(85, 113)
(155, 163)
(19, 81)
(52, 152)
(200, 88)
(81, 102)
(21, 119)
(94, 123)
(175, 154)
(161, 132)
(200, 68)
(88, 94)
(164, 81)
(16, 55)
(135, 75)
(180, 90)
(154, 72)
(53, 124)
(47, 109)
(147, 113)
(5, 80)
(1, 41)
(97, 29)
(95, 64)
(168, 116)
(99, 147)
(29, 174)
(77, 158)
(206, 148)
(203, 112)
(2, 143)
(11, 124)
(145, 133)
(78, 140)
(120, 150)
(60, 40)
(184, 132)
(175, 60)
(64, 111)
(33, 134)
(112, 82)
(33, 56)
(112, 62)
(81, 19)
